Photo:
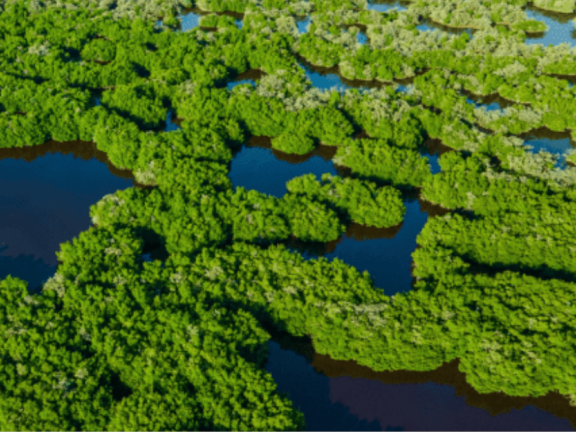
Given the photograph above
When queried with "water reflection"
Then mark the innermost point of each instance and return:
(433, 161)
(258, 167)
(387, 259)
(189, 20)
(557, 143)
(385, 6)
(249, 77)
(490, 102)
(341, 395)
(324, 78)
(385, 253)
(437, 400)
(26, 267)
(560, 27)
(310, 392)
(45, 194)
(171, 124)
(303, 24)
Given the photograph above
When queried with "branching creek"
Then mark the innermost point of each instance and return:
(47, 190)
(339, 395)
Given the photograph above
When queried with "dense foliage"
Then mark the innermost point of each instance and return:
(117, 342)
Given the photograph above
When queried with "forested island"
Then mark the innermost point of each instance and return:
(157, 317)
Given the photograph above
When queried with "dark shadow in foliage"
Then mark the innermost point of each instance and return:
(569, 78)
(250, 74)
(449, 374)
(312, 248)
(541, 272)
(436, 147)
(120, 390)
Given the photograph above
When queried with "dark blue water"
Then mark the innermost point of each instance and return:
(239, 23)
(257, 168)
(388, 260)
(362, 38)
(342, 402)
(333, 397)
(310, 392)
(45, 202)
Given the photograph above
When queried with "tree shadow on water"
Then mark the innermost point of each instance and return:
(26, 267)
(310, 392)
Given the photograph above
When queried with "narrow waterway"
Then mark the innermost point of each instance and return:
(340, 395)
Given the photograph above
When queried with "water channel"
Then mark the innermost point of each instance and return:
(337, 395)
(45, 197)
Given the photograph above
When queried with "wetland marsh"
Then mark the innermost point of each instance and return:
(331, 214)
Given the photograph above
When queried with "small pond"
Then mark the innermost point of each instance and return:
(189, 20)
(303, 24)
(45, 193)
(324, 78)
(490, 102)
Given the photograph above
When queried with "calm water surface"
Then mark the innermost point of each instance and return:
(384, 253)
(330, 394)
(189, 20)
(560, 28)
(258, 168)
(557, 143)
(385, 6)
(303, 24)
(338, 395)
(45, 196)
